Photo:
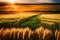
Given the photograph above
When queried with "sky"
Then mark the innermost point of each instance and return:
(32, 1)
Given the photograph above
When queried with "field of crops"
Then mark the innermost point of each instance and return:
(29, 22)
(32, 27)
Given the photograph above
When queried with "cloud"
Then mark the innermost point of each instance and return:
(56, 1)
(44, 1)
(29, 1)
(33, 1)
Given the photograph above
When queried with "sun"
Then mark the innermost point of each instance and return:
(12, 1)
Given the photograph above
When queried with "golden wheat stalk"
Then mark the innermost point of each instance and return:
(27, 33)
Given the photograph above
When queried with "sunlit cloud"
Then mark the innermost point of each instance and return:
(44, 1)
(11, 1)
(28, 1)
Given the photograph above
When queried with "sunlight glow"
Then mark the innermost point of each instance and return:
(12, 1)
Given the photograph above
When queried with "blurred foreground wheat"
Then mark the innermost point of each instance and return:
(28, 34)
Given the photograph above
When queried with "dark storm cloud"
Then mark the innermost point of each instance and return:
(56, 1)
